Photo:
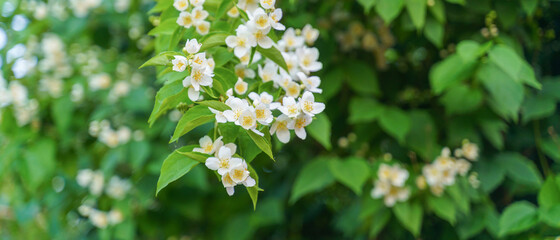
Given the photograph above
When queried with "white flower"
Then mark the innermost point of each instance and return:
(290, 40)
(275, 18)
(311, 83)
(269, 72)
(260, 19)
(118, 188)
(240, 175)
(290, 107)
(292, 89)
(248, 5)
(179, 63)
(310, 34)
(260, 35)
(233, 12)
(199, 60)
(97, 182)
(198, 15)
(223, 162)
(84, 177)
(192, 46)
(292, 62)
(115, 217)
(197, 3)
(228, 183)
(263, 114)
(393, 174)
(432, 174)
(391, 193)
(267, 4)
(470, 150)
(243, 72)
(237, 106)
(98, 218)
(199, 77)
(463, 166)
(124, 134)
(264, 98)
(240, 86)
(299, 125)
(207, 146)
(203, 27)
(247, 57)
(181, 5)
(96, 82)
(248, 120)
(220, 117)
(185, 19)
(210, 65)
(280, 127)
(308, 59)
(241, 42)
(309, 106)
(85, 210)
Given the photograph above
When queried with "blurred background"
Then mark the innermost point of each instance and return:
(78, 159)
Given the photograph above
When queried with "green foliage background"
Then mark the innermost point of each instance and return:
(437, 74)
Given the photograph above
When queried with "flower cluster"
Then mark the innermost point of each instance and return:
(107, 135)
(391, 184)
(15, 94)
(443, 171)
(101, 219)
(201, 68)
(192, 16)
(232, 169)
(117, 189)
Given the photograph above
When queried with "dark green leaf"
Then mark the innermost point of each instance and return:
(320, 129)
(518, 217)
(313, 177)
(194, 117)
(352, 172)
(410, 215)
(175, 166)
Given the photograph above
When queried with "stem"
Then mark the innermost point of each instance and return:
(538, 142)
(215, 130)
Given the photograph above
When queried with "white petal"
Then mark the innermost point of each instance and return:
(266, 42)
(193, 94)
(283, 135)
(318, 108)
(230, 190)
(300, 132)
(249, 182)
(212, 163)
(231, 41)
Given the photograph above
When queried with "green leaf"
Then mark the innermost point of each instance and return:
(224, 6)
(461, 99)
(506, 95)
(423, 134)
(490, 173)
(352, 172)
(410, 215)
(457, 194)
(160, 6)
(62, 110)
(550, 215)
(363, 110)
(434, 32)
(273, 54)
(389, 9)
(162, 59)
(494, 129)
(168, 97)
(262, 142)
(220, 106)
(334, 78)
(199, 157)
(472, 225)
(320, 129)
(380, 220)
(367, 4)
(247, 147)
(361, 77)
(529, 6)
(395, 122)
(417, 11)
(175, 166)
(461, 2)
(549, 194)
(551, 149)
(194, 117)
(537, 107)
(39, 163)
(167, 27)
(520, 169)
(449, 72)
(213, 40)
(518, 217)
(513, 65)
(254, 190)
(443, 207)
(438, 10)
(313, 177)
